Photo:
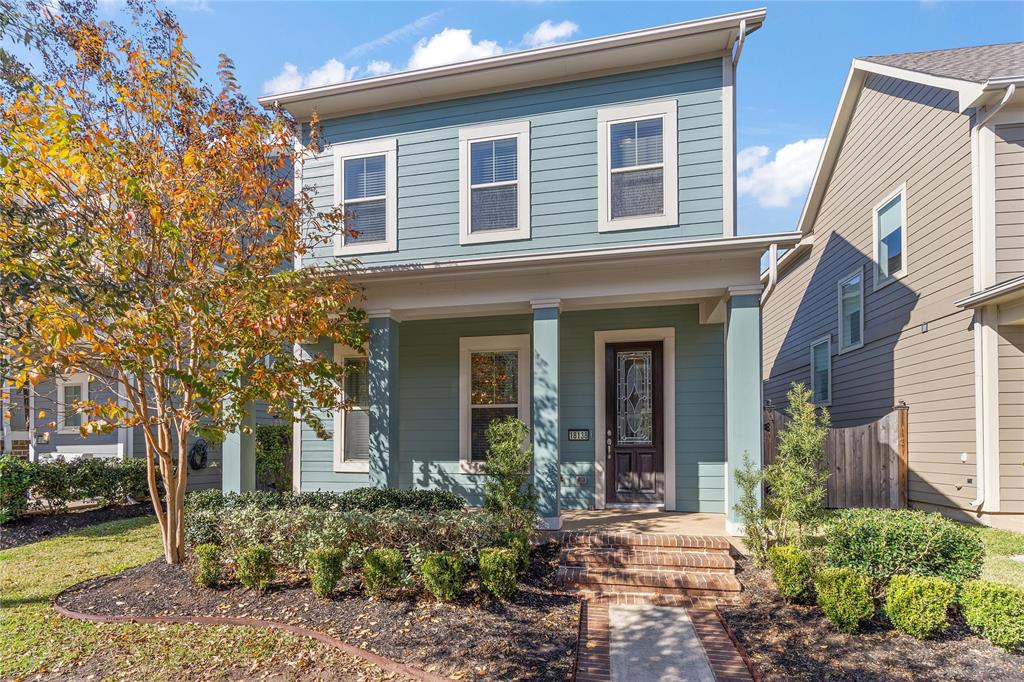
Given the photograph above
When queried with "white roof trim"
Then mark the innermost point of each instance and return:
(673, 43)
(968, 91)
(998, 293)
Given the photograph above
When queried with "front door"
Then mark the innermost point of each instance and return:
(635, 465)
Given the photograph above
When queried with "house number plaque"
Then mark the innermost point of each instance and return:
(579, 434)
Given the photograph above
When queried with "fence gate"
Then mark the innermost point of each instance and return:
(867, 464)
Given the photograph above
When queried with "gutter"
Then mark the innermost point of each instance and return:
(981, 408)
(740, 39)
(773, 272)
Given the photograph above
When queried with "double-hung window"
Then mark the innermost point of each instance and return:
(821, 371)
(638, 166)
(851, 311)
(890, 238)
(352, 425)
(494, 182)
(494, 384)
(71, 391)
(365, 186)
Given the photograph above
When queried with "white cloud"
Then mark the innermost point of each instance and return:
(449, 46)
(291, 78)
(548, 33)
(775, 182)
(379, 67)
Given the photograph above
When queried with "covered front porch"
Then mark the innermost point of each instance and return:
(638, 373)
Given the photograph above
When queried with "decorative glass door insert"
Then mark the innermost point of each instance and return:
(633, 411)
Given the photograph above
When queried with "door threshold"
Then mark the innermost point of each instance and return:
(652, 506)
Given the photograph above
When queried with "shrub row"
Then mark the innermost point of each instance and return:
(57, 483)
(360, 499)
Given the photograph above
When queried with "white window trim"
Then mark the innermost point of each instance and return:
(667, 110)
(859, 272)
(519, 130)
(76, 379)
(355, 150)
(484, 344)
(826, 340)
(341, 353)
(878, 283)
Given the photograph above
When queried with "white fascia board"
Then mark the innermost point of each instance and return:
(967, 91)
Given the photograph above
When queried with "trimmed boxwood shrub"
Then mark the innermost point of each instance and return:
(791, 569)
(209, 557)
(325, 568)
(518, 542)
(887, 542)
(443, 575)
(844, 595)
(917, 605)
(15, 481)
(498, 572)
(254, 567)
(383, 569)
(995, 611)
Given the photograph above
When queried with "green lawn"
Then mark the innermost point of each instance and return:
(33, 639)
(1000, 545)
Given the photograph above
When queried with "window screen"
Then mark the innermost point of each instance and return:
(365, 199)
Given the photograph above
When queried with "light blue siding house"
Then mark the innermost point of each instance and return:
(548, 234)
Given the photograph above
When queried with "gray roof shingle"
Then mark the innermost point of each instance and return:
(974, 64)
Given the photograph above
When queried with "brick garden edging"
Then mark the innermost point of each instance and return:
(345, 647)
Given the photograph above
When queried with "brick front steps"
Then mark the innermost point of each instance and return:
(654, 565)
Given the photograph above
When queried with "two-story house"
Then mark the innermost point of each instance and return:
(909, 282)
(551, 235)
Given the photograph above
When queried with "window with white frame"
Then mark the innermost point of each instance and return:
(494, 384)
(851, 311)
(365, 186)
(71, 391)
(821, 371)
(890, 241)
(638, 166)
(494, 182)
(352, 425)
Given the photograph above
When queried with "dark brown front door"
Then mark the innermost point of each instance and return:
(635, 466)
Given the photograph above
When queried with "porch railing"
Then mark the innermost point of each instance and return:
(867, 464)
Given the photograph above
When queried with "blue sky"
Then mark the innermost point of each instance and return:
(790, 77)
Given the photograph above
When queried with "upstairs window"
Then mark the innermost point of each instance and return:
(821, 371)
(851, 311)
(638, 166)
(890, 218)
(494, 182)
(366, 187)
(352, 426)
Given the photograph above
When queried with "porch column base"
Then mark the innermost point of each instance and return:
(735, 528)
(552, 523)
(546, 474)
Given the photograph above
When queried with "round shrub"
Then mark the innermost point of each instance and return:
(15, 481)
(791, 569)
(209, 573)
(887, 542)
(383, 569)
(917, 605)
(845, 596)
(443, 575)
(325, 568)
(518, 542)
(995, 611)
(254, 567)
(498, 570)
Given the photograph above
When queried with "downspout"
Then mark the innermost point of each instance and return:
(773, 272)
(739, 42)
(981, 409)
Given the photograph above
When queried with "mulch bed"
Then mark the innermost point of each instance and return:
(531, 637)
(796, 642)
(36, 527)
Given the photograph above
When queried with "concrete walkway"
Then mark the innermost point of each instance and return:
(655, 644)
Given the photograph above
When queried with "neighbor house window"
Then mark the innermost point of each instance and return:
(71, 391)
(638, 166)
(821, 371)
(851, 311)
(494, 384)
(365, 187)
(494, 182)
(352, 425)
(890, 250)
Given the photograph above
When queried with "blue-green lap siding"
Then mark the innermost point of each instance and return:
(563, 151)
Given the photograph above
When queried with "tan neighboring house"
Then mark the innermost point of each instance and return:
(909, 282)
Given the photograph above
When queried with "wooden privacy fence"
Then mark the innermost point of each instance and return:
(867, 464)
